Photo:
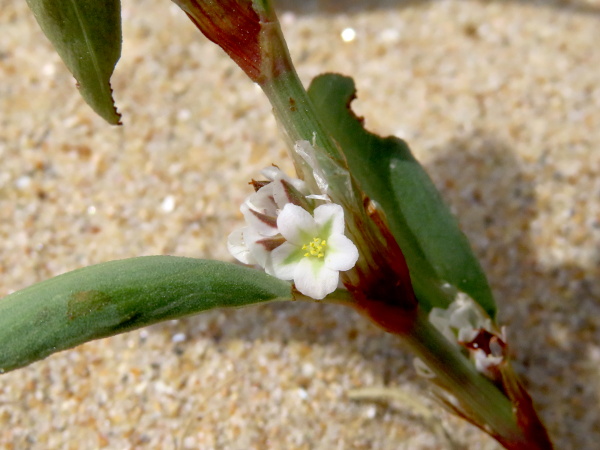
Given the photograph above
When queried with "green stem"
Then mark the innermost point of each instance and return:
(300, 121)
(295, 111)
(485, 404)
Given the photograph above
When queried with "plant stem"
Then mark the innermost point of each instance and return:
(296, 113)
(478, 399)
(482, 400)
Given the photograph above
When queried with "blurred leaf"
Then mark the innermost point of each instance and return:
(436, 251)
(118, 296)
(87, 36)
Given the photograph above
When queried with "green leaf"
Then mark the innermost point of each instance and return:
(87, 36)
(118, 296)
(436, 251)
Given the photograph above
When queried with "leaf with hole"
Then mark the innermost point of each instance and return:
(438, 254)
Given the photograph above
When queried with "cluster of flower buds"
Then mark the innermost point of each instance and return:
(293, 235)
(466, 324)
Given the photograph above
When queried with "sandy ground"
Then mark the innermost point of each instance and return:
(499, 100)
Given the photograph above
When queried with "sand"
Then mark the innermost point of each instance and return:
(499, 100)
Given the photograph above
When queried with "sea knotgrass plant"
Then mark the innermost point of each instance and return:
(362, 226)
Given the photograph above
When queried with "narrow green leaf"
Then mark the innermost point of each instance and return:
(87, 36)
(118, 296)
(436, 251)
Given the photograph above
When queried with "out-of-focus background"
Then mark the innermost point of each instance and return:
(500, 100)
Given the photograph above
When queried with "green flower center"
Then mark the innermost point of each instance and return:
(315, 248)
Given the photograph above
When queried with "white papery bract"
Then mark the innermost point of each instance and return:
(288, 241)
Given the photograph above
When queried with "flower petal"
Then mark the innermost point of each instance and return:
(258, 251)
(313, 279)
(299, 184)
(285, 192)
(280, 195)
(342, 254)
(485, 363)
(440, 319)
(283, 261)
(238, 248)
(272, 172)
(330, 219)
(262, 223)
(263, 201)
(296, 224)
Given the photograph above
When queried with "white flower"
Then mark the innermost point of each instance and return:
(315, 249)
(462, 320)
(236, 244)
(485, 363)
(271, 198)
(282, 236)
(465, 324)
(252, 244)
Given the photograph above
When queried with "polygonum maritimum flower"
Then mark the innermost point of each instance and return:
(287, 241)
(465, 323)
(315, 250)
(251, 244)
